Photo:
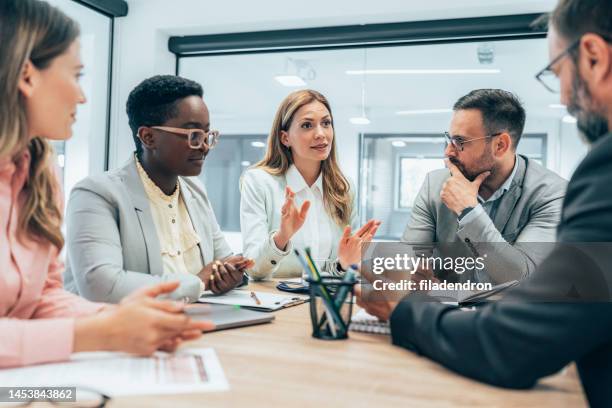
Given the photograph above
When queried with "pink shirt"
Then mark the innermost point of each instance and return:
(36, 314)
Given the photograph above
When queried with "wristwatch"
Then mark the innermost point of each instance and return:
(465, 212)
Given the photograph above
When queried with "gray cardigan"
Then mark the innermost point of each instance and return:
(112, 243)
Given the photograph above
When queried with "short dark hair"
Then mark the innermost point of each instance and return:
(154, 101)
(502, 111)
(574, 18)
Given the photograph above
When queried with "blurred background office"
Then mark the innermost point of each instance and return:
(392, 70)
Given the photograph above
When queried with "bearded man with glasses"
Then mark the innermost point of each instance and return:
(490, 200)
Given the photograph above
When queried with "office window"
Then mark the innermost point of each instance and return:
(378, 95)
(394, 169)
(221, 175)
(85, 153)
(412, 172)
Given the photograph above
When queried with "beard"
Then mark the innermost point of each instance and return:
(484, 163)
(591, 125)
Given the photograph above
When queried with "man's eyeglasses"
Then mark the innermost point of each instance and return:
(459, 142)
(547, 76)
(195, 137)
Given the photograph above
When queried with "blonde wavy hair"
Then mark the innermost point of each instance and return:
(278, 157)
(31, 30)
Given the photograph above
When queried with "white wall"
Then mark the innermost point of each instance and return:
(141, 37)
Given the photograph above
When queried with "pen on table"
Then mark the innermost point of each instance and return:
(255, 298)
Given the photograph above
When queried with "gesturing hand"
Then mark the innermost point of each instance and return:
(140, 324)
(349, 247)
(459, 193)
(292, 219)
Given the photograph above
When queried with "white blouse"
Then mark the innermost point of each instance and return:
(262, 197)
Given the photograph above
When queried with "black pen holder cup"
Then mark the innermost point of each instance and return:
(328, 302)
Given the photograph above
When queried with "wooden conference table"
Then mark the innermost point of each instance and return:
(279, 364)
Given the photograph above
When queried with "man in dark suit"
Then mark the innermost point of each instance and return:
(563, 311)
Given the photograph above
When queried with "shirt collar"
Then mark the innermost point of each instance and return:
(296, 181)
(153, 191)
(504, 187)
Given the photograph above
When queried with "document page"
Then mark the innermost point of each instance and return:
(261, 300)
(115, 374)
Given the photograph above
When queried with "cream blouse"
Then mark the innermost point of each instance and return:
(178, 240)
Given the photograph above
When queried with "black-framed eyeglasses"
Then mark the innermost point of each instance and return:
(195, 137)
(547, 77)
(459, 142)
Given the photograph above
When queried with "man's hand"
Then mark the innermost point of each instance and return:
(379, 303)
(459, 193)
(379, 307)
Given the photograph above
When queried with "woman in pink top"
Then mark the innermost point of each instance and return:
(39, 321)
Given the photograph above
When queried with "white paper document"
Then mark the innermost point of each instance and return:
(261, 301)
(117, 374)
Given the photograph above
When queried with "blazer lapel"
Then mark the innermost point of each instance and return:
(510, 197)
(140, 200)
(196, 221)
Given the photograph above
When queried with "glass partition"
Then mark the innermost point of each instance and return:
(390, 105)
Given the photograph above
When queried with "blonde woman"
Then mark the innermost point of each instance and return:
(298, 197)
(39, 321)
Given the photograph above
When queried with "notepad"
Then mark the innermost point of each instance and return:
(269, 302)
(362, 321)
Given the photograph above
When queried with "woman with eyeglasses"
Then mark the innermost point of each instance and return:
(40, 322)
(150, 220)
(297, 196)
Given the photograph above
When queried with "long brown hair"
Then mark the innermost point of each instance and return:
(31, 30)
(278, 157)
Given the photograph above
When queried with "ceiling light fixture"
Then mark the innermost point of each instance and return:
(258, 144)
(569, 119)
(360, 120)
(290, 80)
(486, 53)
(302, 72)
(557, 106)
(398, 143)
(422, 71)
(363, 119)
(423, 111)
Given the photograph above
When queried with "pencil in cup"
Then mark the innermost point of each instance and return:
(331, 312)
(330, 322)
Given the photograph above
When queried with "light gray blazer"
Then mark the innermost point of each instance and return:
(520, 235)
(112, 243)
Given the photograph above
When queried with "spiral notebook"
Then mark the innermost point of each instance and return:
(362, 321)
